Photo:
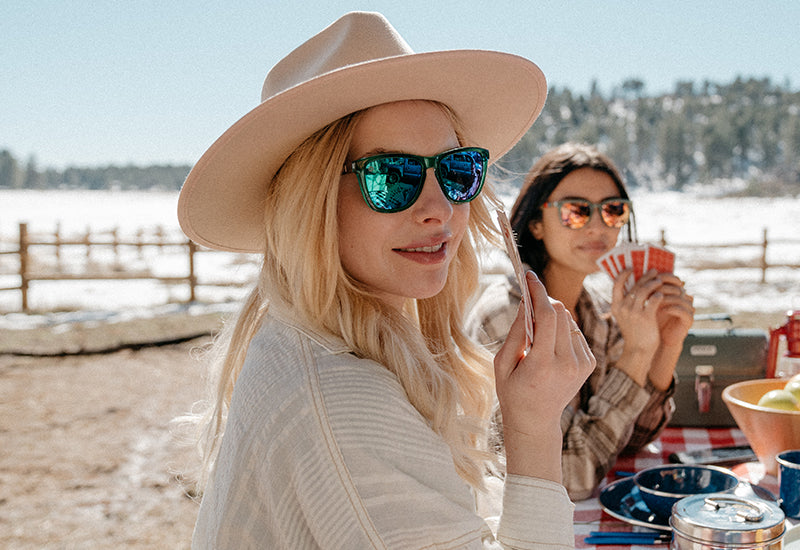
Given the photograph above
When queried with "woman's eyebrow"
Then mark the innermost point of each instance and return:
(376, 151)
(572, 198)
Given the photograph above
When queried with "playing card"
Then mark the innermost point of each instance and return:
(609, 267)
(637, 255)
(606, 264)
(638, 258)
(660, 259)
(513, 254)
(635, 258)
(618, 257)
(621, 256)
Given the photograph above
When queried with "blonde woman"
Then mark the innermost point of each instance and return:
(350, 408)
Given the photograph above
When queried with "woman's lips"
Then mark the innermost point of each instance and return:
(434, 248)
(428, 254)
(598, 248)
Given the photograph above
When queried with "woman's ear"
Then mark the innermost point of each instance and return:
(535, 227)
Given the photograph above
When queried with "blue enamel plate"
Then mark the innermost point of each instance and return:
(621, 499)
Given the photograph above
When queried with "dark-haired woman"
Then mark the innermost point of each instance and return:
(569, 212)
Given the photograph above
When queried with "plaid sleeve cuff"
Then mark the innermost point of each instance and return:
(654, 417)
(621, 392)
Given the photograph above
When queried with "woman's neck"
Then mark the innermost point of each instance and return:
(564, 285)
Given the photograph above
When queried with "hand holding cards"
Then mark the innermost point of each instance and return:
(640, 258)
(513, 254)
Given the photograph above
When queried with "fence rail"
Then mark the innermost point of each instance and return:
(27, 271)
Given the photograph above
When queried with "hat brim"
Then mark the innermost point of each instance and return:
(497, 96)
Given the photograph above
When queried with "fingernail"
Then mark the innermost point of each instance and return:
(531, 275)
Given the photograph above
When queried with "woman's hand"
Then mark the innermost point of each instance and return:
(657, 311)
(654, 318)
(636, 311)
(534, 388)
(676, 312)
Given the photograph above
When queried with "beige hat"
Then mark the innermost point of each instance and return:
(359, 61)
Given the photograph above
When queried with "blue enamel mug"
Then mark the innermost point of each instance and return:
(789, 479)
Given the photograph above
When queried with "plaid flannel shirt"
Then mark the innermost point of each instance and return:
(611, 414)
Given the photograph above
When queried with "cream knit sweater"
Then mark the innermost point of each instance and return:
(324, 450)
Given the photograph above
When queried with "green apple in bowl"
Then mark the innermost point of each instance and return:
(779, 399)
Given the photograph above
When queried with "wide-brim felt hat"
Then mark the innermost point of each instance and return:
(357, 62)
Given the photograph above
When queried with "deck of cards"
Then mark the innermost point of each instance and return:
(641, 258)
(513, 254)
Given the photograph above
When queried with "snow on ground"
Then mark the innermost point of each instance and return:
(686, 218)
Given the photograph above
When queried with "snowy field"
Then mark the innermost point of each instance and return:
(686, 219)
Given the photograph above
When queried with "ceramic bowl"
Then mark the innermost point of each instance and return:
(661, 487)
(768, 431)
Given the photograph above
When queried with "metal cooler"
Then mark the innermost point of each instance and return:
(711, 360)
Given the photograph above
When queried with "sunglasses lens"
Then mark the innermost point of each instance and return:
(462, 174)
(575, 214)
(615, 213)
(392, 182)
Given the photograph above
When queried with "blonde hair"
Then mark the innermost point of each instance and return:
(446, 377)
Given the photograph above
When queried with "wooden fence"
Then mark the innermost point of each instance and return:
(759, 260)
(27, 272)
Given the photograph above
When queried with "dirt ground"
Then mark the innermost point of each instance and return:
(87, 455)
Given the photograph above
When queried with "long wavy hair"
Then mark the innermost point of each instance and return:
(541, 181)
(446, 377)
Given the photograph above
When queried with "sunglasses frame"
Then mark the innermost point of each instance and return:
(357, 167)
(593, 206)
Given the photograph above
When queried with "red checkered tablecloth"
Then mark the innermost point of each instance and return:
(589, 515)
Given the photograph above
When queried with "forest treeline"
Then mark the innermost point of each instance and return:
(18, 175)
(747, 130)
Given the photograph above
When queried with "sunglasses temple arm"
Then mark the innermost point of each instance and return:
(632, 233)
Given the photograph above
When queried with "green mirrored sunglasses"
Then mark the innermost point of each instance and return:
(391, 182)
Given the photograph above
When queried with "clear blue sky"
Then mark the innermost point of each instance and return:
(98, 82)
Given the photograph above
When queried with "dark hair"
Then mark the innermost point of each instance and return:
(541, 181)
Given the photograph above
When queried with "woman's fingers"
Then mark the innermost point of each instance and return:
(555, 333)
(573, 348)
(513, 349)
(559, 343)
(618, 293)
(567, 330)
(544, 314)
(651, 286)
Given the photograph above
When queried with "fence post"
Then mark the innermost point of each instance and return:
(192, 277)
(87, 240)
(764, 258)
(115, 246)
(57, 238)
(23, 265)
(139, 245)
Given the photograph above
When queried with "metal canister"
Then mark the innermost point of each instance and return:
(726, 521)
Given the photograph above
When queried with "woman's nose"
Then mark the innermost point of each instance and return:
(432, 204)
(595, 222)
